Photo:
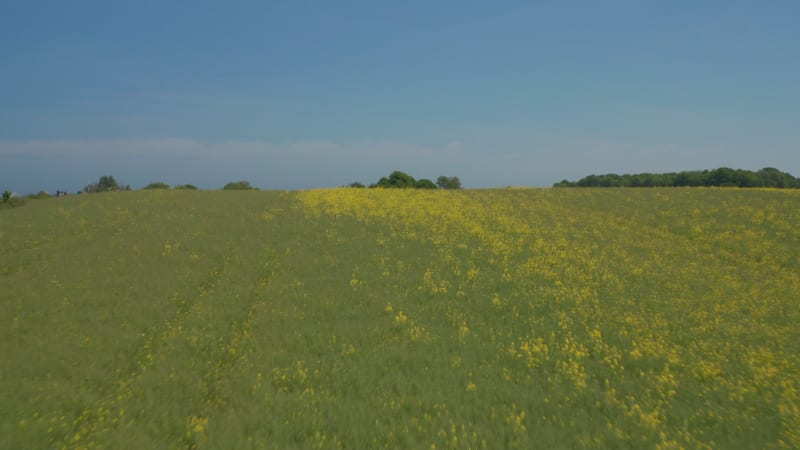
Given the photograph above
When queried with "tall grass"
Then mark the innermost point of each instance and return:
(379, 318)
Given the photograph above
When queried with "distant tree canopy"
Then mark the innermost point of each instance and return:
(238, 186)
(448, 182)
(724, 176)
(402, 180)
(157, 185)
(397, 179)
(104, 184)
(186, 186)
(425, 184)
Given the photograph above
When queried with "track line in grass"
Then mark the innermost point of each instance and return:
(109, 413)
(217, 377)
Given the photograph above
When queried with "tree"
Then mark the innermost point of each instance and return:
(448, 182)
(401, 180)
(157, 185)
(186, 186)
(355, 184)
(6, 196)
(397, 179)
(693, 178)
(724, 176)
(238, 186)
(107, 183)
(425, 183)
(104, 184)
(772, 177)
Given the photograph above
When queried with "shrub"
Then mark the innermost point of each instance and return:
(157, 185)
(39, 195)
(11, 201)
(104, 184)
(238, 186)
(397, 179)
(445, 182)
(425, 183)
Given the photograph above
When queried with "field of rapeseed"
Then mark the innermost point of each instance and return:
(355, 318)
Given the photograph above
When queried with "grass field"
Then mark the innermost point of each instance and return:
(361, 318)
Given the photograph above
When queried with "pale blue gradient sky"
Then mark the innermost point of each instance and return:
(312, 94)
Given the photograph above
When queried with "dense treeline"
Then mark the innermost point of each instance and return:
(724, 177)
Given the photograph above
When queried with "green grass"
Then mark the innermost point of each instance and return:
(366, 319)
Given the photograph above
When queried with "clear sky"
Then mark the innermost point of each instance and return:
(302, 94)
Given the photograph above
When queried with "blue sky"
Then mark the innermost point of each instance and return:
(301, 94)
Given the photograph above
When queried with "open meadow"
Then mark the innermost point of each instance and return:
(384, 318)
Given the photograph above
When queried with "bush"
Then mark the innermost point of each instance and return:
(39, 195)
(445, 182)
(157, 185)
(11, 201)
(106, 183)
(186, 186)
(425, 184)
(238, 186)
(397, 179)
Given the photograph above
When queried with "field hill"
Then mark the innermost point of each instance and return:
(377, 318)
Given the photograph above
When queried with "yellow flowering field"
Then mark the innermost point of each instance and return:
(378, 318)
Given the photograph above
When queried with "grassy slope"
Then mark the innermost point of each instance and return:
(548, 318)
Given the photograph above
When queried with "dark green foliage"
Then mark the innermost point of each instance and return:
(157, 185)
(425, 184)
(355, 184)
(107, 183)
(186, 186)
(723, 177)
(238, 186)
(6, 196)
(397, 179)
(445, 182)
(104, 184)
(773, 177)
(402, 180)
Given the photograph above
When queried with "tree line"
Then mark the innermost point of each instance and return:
(768, 177)
(108, 183)
(402, 180)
